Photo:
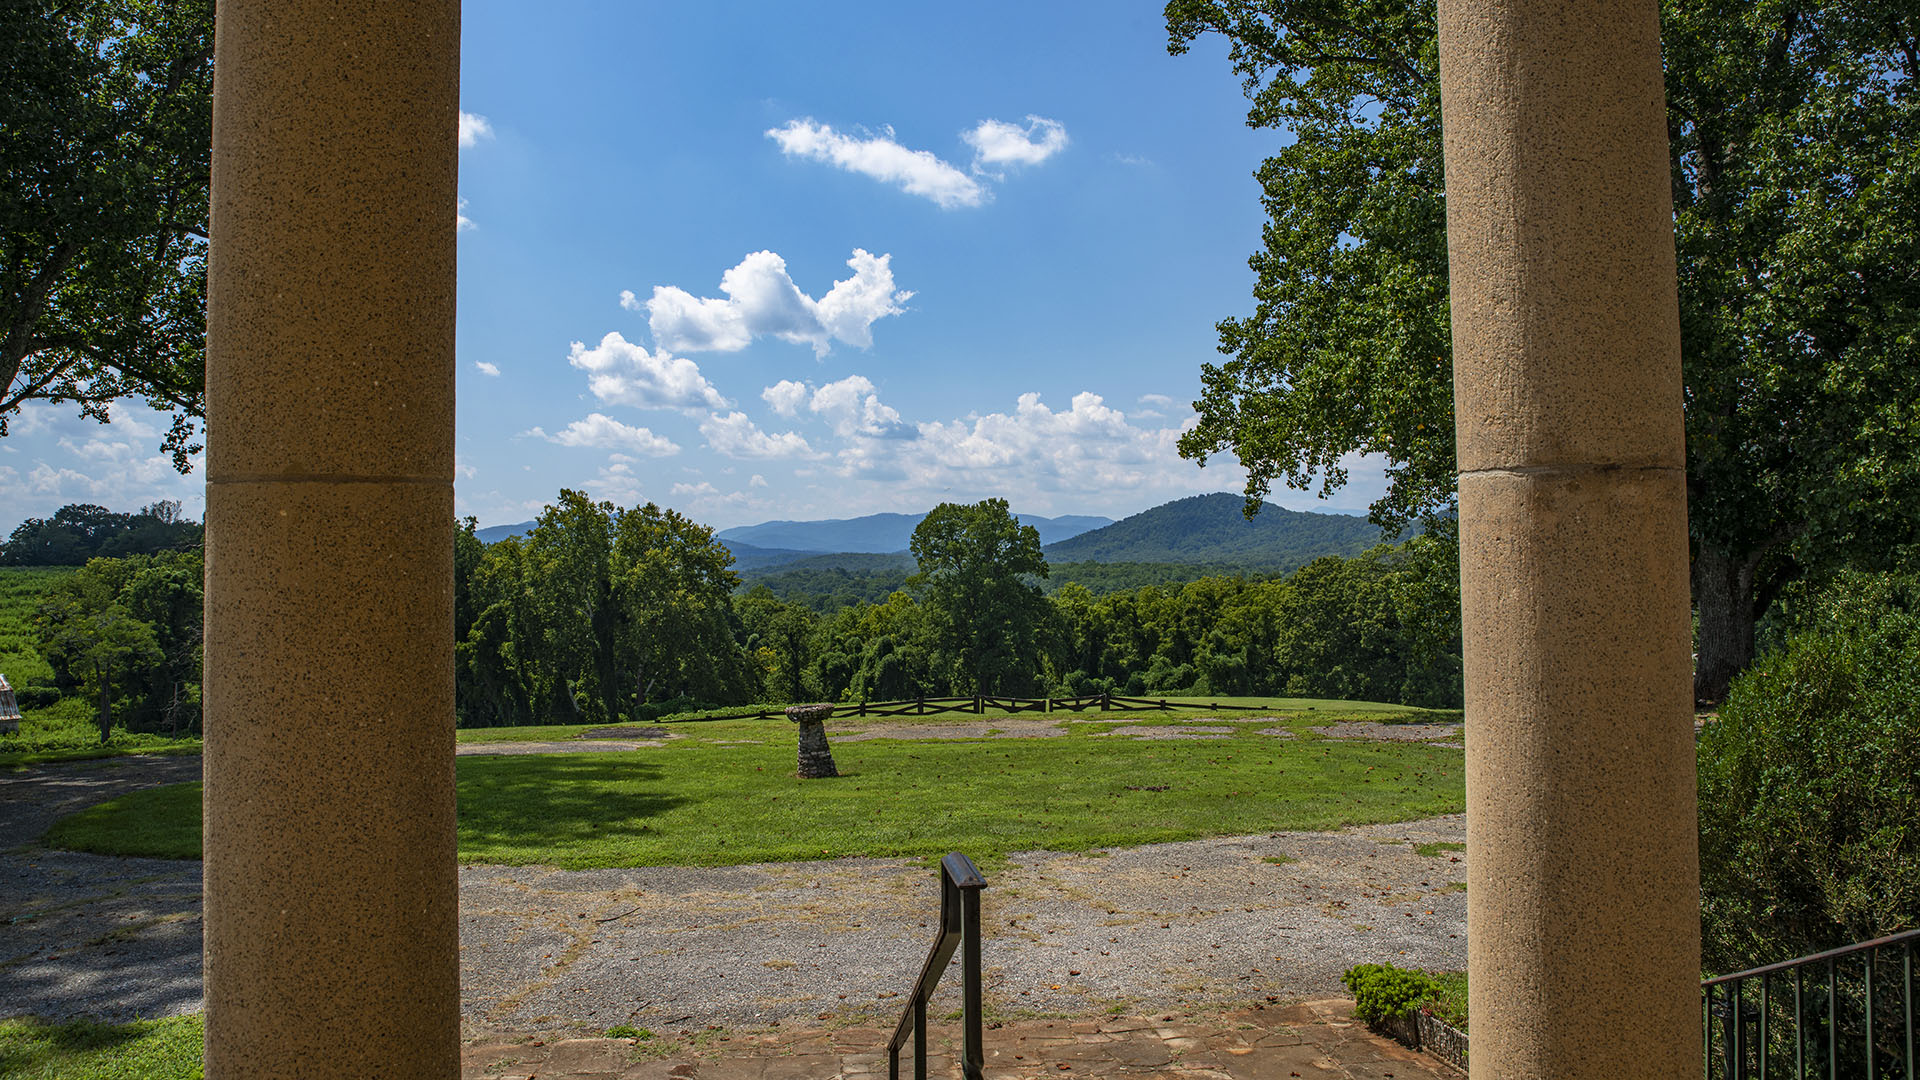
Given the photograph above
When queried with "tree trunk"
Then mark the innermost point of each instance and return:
(1724, 603)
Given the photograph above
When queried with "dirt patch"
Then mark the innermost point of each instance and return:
(1377, 732)
(597, 746)
(1167, 731)
(858, 729)
(626, 733)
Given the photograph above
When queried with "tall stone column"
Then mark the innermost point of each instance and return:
(331, 905)
(1583, 890)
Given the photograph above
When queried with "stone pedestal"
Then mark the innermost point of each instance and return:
(816, 757)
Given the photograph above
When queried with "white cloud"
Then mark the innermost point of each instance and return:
(736, 436)
(761, 299)
(461, 222)
(916, 172)
(786, 396)
(486, 368)
(997, 145)
(622, 373)
(600, 430)
(701, 488)
(473, 128)
(58, 457)
(756, 480)
(1158, 401)
(854, 410)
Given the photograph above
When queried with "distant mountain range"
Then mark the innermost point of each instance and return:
(1214, 529)
(879, 534)
(1204, 529)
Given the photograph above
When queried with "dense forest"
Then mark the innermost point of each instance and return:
(601, 614)
(80, 532)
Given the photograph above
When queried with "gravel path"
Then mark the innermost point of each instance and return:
(1199, 922)
(88, 934)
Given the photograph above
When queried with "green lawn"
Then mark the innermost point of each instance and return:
(726, 794)
(143, 1050)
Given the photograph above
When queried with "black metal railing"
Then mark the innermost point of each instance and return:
(1843, 1013)
(960, 886)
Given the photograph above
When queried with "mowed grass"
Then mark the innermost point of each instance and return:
(726, 794)
(20, 590)
(143, 1050)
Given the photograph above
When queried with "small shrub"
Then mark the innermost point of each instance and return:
(1382, 992)
(1810, 784)
(628, 1031)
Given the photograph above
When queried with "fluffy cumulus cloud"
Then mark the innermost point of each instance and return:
(604, 432)
(1038, 456)
(761, 299)
(473, 128)
(916, 172)
(787, 397)
(735, 435)
(52, 457)
(622, 373)
(485, 368)
(997, 145)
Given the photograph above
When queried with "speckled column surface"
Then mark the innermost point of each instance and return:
(331, 927)
(1583, 887)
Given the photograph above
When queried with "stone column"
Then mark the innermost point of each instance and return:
(1583, 895)
(331, 907)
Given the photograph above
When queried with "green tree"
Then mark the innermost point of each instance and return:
(569, 569)
(783, 633)
(105, 146)
(94, 644)
(1795, 135)
(977, 568)
(672, 594)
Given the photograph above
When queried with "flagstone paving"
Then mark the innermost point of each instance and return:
(1316, 1039)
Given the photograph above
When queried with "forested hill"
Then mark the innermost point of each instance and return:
(877, 533)
(1212, 529)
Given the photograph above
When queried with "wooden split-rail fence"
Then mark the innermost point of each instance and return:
(933, 706)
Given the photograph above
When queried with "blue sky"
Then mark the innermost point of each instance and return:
(804, 261)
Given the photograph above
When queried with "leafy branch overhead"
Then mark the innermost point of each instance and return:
(1795, 154)
(105, 151)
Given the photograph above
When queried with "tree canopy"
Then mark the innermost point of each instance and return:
(978, 569)
(1795, 136)
(106, 125)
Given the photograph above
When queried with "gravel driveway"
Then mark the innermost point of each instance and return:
(1200, 921)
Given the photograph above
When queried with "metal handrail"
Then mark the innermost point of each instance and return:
(960, 885)
(1879, 1045)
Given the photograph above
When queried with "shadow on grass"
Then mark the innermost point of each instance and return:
(559, 800)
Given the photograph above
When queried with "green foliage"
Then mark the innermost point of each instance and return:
(986, 615)
(21, 589)
(706, 800)
(1382, 992)
(79, 532)
(1795, 153)
(1810, 784)
(1438, 848)
(628, 1031)
(83, 1050)
(597, 615)
(126, 635)
(106, 119)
